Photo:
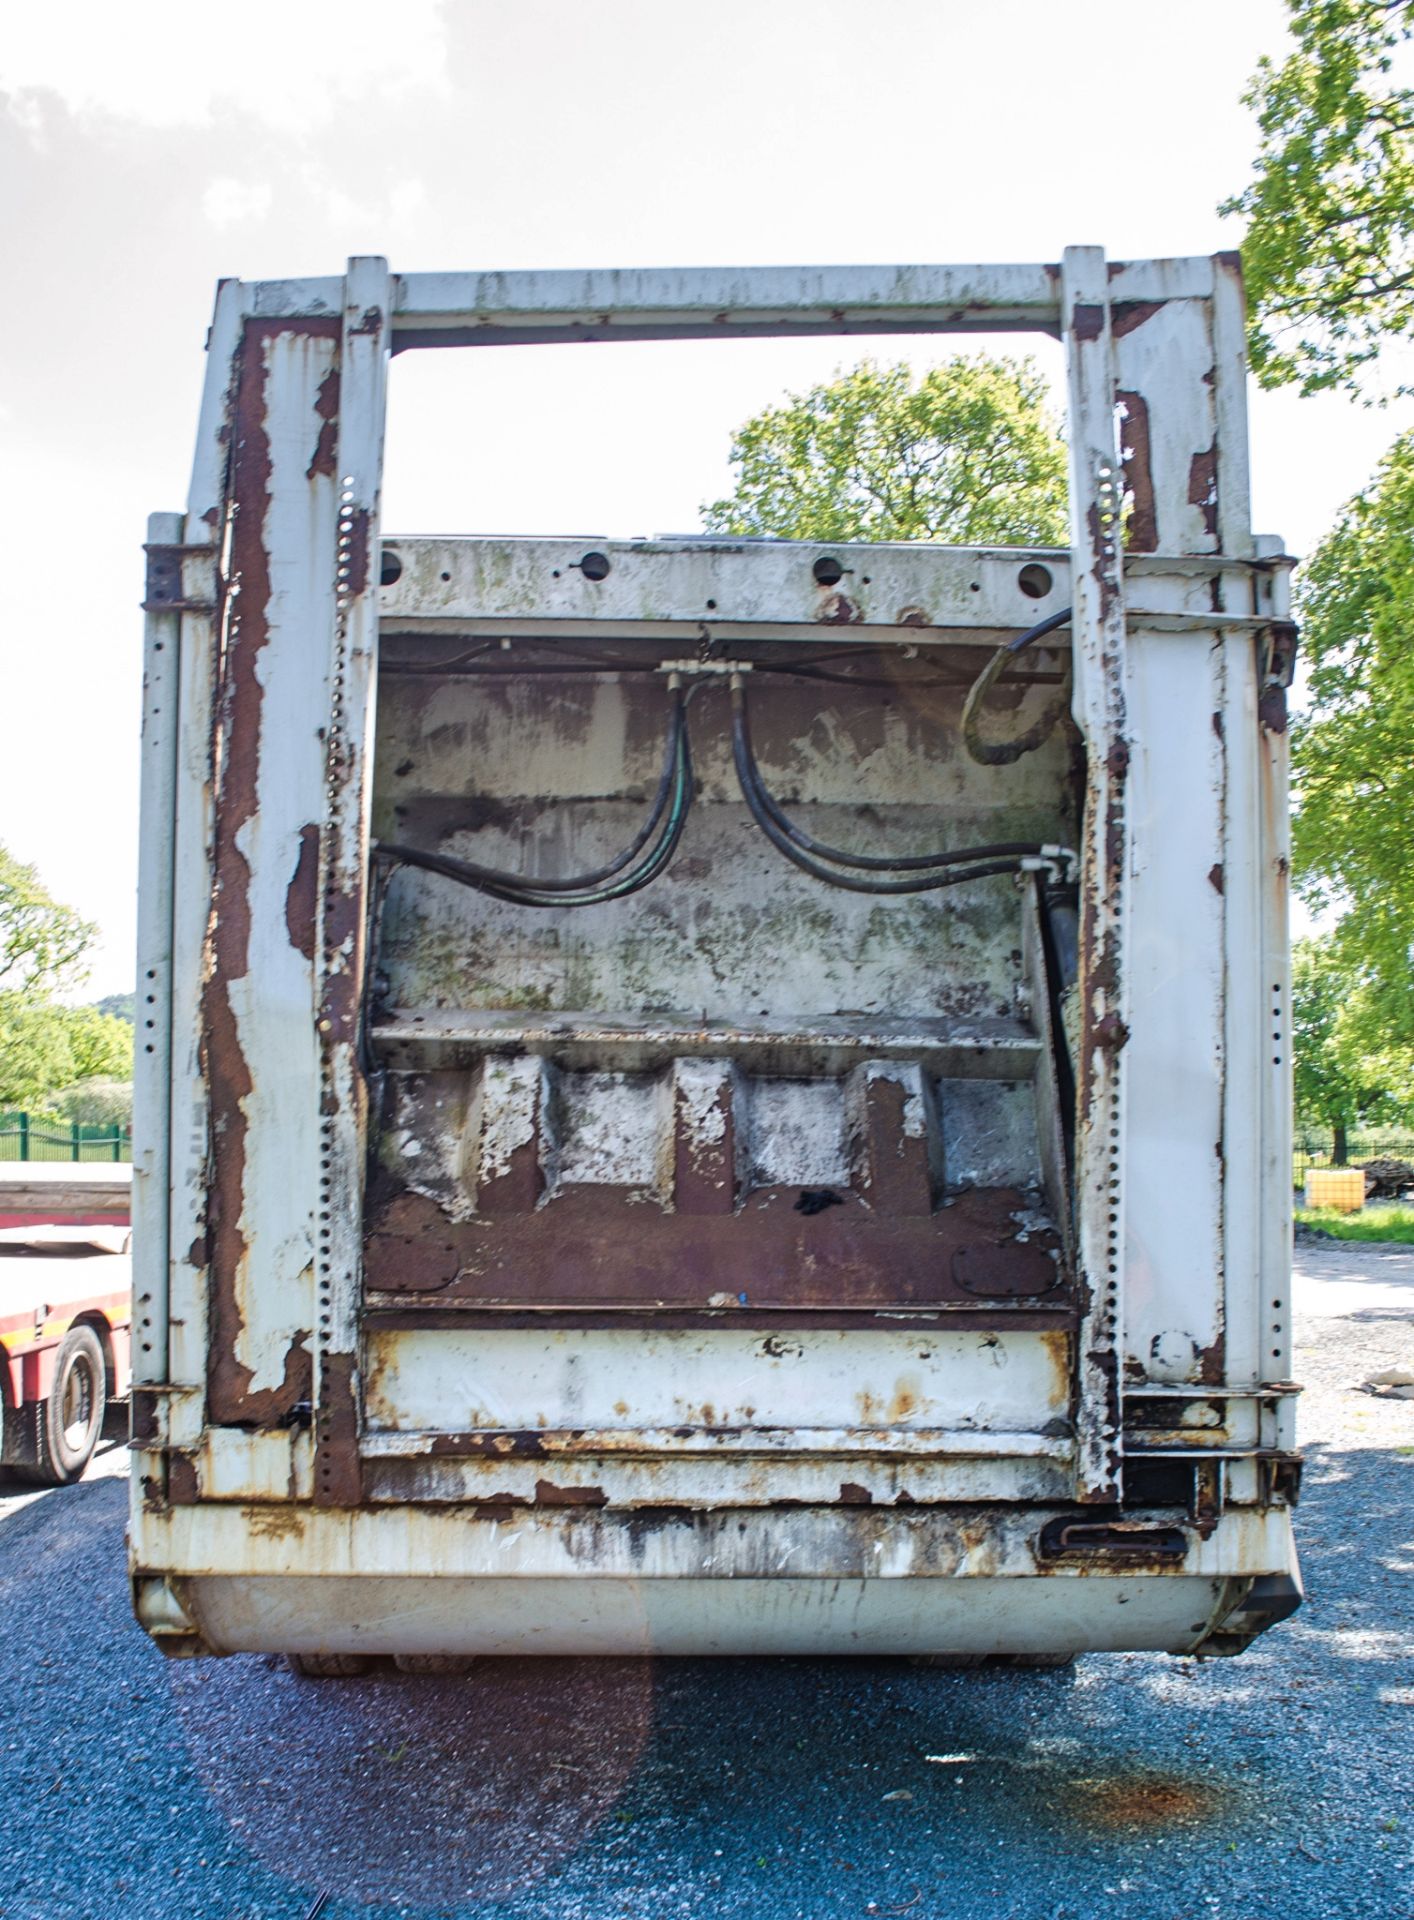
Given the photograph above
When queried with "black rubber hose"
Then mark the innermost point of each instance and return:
(952, 877)
(470, 873)
(899, 863)
(1002, 753)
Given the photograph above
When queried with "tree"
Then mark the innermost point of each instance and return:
(42, 943)
(967, 454)
(1353, 761)
(1338, 1079)
(45, 1045)
(1329, 252)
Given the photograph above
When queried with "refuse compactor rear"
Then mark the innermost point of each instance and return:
(703, 1095)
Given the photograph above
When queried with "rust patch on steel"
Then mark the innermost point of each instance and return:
(1126, 315)
(1142, 533)
(602, 1248)
(302, 894)
(853, 1495)
(338, 1474)
(897, 1177)
(142, 1417)
(1087, 321)
(548, 1495)
(324, 459)
(1271, 707)
(1008, 1271)
(1203, 487)
(1215, 876)
(235, 753)
(182, 1488)
(838, 610)
(1212, 1363)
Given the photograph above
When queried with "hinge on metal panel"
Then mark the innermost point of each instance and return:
(164, 579)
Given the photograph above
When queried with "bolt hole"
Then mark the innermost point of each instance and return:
(391, 568)
(827, 571)
(711, 606)
(1035, 580)
(595, 566)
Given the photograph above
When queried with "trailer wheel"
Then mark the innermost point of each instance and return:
(328, 1666)
(64, 1429)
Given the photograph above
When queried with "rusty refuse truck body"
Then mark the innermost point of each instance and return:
(702, 1095)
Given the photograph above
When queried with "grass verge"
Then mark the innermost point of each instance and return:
(1372, 1223)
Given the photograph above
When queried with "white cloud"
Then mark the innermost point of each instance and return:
(228, 201)
(292, 66)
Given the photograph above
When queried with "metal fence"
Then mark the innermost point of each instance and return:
(44, 1136)
(1314, 1146)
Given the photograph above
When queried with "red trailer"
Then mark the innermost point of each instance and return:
(65, 1313)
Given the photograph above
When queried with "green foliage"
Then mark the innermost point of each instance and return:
(42, 943)
(43, 1044)
(1353, 761)
(96, 1103)
(1339, 1079)
(123, 1006)
(967, 454)
(1374, 1223)
(1329, 252)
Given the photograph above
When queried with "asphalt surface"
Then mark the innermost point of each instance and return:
(1281, 1783)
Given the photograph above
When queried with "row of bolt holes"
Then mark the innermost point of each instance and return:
(1034, 580)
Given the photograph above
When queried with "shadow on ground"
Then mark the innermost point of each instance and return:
(759, 1789)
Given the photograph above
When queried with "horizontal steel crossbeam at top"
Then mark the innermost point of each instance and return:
(701, 303)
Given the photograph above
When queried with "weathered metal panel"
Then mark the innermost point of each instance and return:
(720, 1381)
(260, 1056)
(206, 526)
(341, 919)
(1174, 1256)
(1100, 705)
(152, 1050)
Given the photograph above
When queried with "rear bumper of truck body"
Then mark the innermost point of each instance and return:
(958, 1581)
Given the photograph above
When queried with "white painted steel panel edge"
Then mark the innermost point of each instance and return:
(590, 1616)
(152, 1051)
(1099, 707)
(923, 1442)
(826, 298)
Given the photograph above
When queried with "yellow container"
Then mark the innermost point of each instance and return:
(1342, 1188)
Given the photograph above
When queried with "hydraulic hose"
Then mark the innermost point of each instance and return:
(939, 870)
(1002, 753)
(673, 799)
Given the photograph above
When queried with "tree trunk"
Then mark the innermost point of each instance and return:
(1340, 1157)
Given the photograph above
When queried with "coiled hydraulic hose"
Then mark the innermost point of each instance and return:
(1002, 753)
(927, 872)
(667, 817)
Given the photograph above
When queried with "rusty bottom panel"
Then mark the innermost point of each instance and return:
(787, 1249)
(696, 1485)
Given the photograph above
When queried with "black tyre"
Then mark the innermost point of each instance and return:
(65, 1428)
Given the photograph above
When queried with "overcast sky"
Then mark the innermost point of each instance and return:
(150, 148)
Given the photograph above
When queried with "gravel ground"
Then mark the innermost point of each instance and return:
(1282, 1782)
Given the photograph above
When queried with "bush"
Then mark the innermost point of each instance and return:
(96, 1103)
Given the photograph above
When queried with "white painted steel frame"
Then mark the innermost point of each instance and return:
(1169, 332)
